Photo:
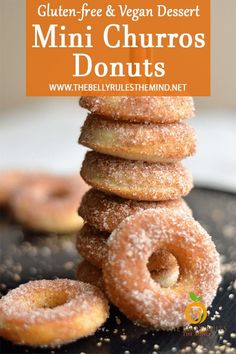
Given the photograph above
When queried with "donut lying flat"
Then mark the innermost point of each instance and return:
(92, 245)
(156, 109)
(51, 312)
(136, 180)
(162, 143)
(105, 211)
(129, 283)
(88, 273)
(49, 204)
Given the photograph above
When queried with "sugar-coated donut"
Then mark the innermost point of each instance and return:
(136, 180)
(49, 204)
(92, 245)
(128, 282)
(156, 109)
(88, 273)
(106, 211)
(51, 312)
(164, 143)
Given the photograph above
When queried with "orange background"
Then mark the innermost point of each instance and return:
(56, 65)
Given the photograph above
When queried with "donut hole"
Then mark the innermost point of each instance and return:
(49, 300)
(61, 193)
(164, 268)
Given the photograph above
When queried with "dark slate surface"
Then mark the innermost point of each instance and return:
(26, 256)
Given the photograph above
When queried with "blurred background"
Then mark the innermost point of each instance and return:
(42, 132)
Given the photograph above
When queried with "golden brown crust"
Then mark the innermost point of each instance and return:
(130, 247)
(156, 109)
(136, 180)
(51, 312)
(164, 143)
(106, 211)
(49, 204)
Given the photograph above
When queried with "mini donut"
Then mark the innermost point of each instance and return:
(136, 180)
(155, 109)
(51, 312)
(106, 211)
(49, 204)
(129, 283)
(164, 143)
(88, 273)
(92, 245)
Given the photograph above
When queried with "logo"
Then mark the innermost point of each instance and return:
(195, 312)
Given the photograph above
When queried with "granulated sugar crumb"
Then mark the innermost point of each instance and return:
(144, 341)
(231, 296)
(118, 321)
(233, 335)
(123, 337)
(99, 344)
(68, 265)
(156, 346)
(126, 352)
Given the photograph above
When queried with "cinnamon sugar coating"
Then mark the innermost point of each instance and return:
(164, 143)
(88, 273)
(106, 211)
(51, 312)
(156, 109)
(136, 180)
(129, 284)
(92, 245)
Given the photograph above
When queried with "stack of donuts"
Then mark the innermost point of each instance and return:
(139, 238)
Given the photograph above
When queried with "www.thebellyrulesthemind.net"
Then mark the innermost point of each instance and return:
(60, 87)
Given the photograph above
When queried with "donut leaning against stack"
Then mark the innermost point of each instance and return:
(138, 144)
